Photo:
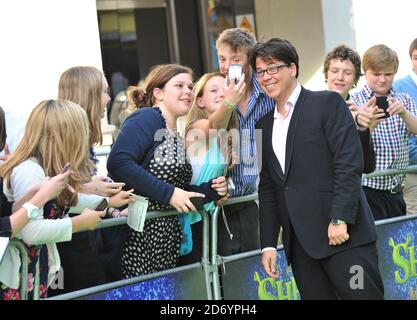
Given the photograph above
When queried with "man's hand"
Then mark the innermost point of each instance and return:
(395, 107)
(369, 115)
(269, 263)
(337, 234)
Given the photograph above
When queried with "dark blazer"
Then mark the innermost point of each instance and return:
(322, 180)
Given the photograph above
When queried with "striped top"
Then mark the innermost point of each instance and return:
(390, 140)
(245, 172)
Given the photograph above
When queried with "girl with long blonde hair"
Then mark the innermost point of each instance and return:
(209, 148)
(87, 86)
(56, 134)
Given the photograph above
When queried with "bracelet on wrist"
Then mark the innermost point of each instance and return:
(356, 119)
(110, 212)
(358, 126)
(230, 105)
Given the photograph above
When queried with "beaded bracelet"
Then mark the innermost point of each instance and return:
(115, 213)
(230, 105)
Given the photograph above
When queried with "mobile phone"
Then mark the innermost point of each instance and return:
(382, 103)
(102, 205)
(197, 202)
(235, 71)
(230, 185)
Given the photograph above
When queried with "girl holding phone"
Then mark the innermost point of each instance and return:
(209, 149)
(149, 155)
(43, 151)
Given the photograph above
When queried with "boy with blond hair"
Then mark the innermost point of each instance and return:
(390, 138)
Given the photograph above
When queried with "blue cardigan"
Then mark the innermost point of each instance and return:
(408, 85)
(132, 151)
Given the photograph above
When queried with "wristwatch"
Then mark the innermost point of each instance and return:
(336, 222)
(33, 211)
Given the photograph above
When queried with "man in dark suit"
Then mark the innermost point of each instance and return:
(310, 185)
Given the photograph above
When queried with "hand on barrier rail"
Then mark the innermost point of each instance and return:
(115, 213)
(124, 212)
(103, 186)
(180, 200)
(122, 198)
(220, 185)
(223, 200)
(88, 219)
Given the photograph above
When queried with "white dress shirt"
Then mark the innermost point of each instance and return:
(281, 125)
(280, 131)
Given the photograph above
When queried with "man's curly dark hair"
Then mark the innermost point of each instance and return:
(343, 53)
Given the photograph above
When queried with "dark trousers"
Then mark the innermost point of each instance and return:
(352, 274)
(243, 222)
(111, 251)
(80, 263)
(385, 204)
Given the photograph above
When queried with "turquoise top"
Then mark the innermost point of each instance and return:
(213, 167)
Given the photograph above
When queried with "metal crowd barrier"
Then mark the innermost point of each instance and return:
(216, 260)
(150, 215)
(388, 172)
(219, 261)
(209, 263)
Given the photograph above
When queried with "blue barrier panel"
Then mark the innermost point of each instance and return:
(397, 240)
(396, 247)
(245, 279)
(186, 284)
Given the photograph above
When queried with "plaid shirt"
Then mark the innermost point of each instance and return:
(245, 173)
(390, 140)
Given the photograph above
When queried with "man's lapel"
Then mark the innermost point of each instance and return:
(291, 130)
(274, 160)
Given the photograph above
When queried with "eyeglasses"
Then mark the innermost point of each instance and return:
(271, 70)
